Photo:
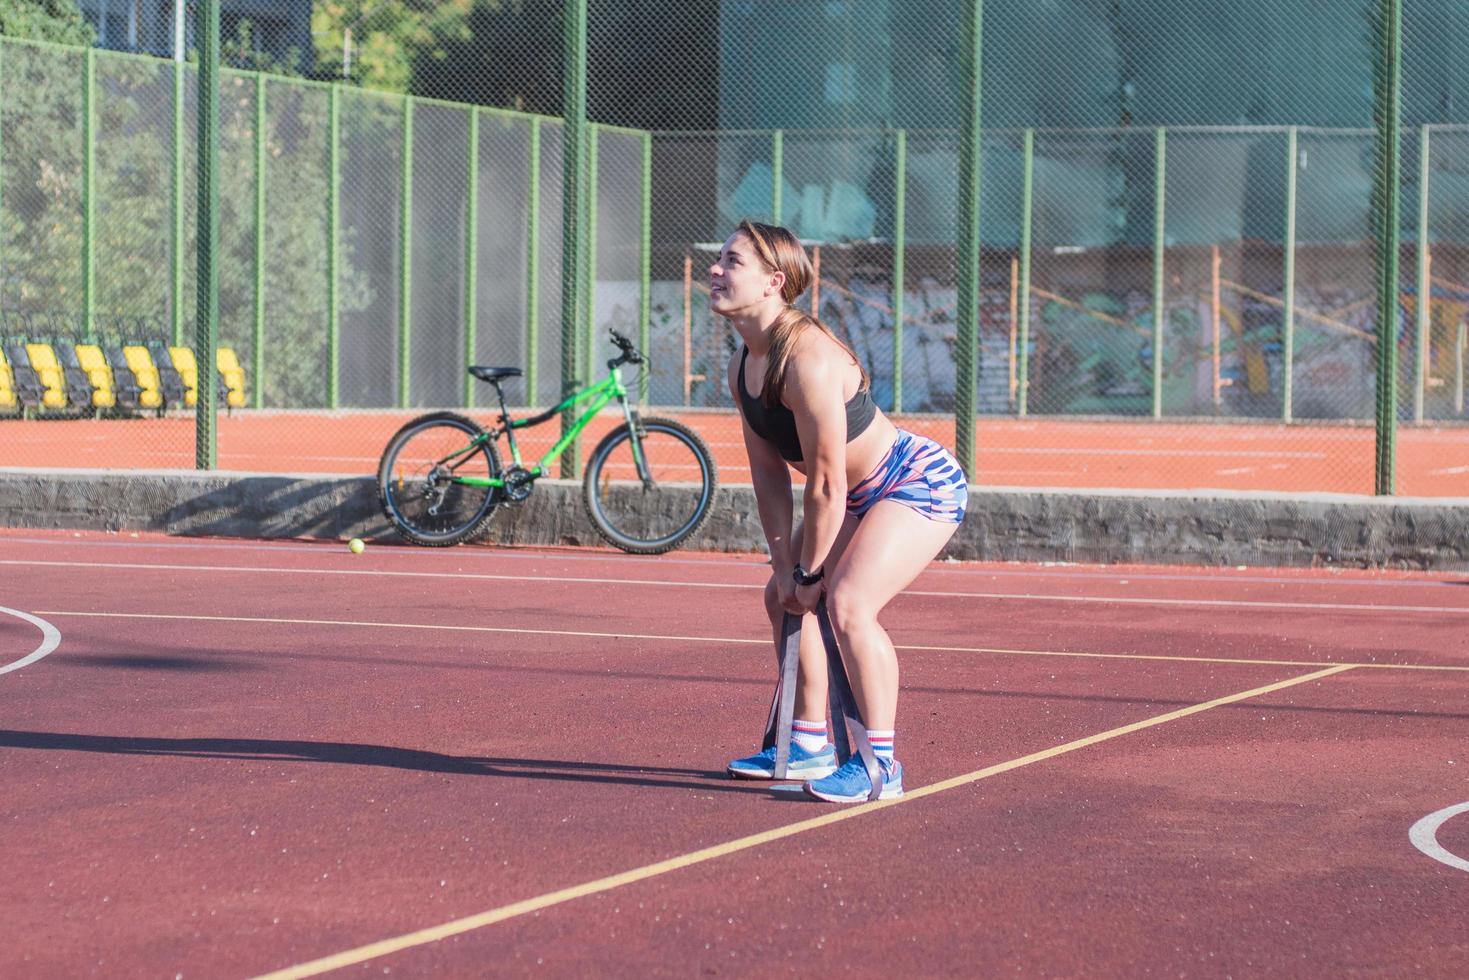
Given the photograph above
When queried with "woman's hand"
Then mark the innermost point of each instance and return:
(800, 599)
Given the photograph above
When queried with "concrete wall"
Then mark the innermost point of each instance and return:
(1206, 528)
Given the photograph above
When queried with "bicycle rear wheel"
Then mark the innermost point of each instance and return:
(652, 508)
(418, 480)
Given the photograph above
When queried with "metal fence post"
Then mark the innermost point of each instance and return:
(333, 246)
(258, 335)
(532, 262)
(89, 193)
(471, 237)
(1160, 191)
(590, 250)
(1288, 328)
(966, 346)
(405, 259)
(1388, 123)
(573, 211)
(176, 225)
(777, 173)
(1027, 188)
(206, 340)
(645, 262)
(900, 232)
(1423, 307)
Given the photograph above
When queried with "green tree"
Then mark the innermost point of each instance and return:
(60, 21)
(387, 37)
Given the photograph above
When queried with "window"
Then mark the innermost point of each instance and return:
(841, 84)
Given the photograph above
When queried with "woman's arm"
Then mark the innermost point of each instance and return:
(813, 392)
(771, 479)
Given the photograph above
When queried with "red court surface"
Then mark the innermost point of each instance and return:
(245, 758)
(1432, 460)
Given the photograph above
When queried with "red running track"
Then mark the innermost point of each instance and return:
(247, 757)
(1033, 452)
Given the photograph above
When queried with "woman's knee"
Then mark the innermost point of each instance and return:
(772, 601)
(848, 608)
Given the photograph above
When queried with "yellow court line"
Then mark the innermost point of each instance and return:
(469, 923)
(588, 634)
(691, 584)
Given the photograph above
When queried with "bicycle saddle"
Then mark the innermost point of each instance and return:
(494, 373)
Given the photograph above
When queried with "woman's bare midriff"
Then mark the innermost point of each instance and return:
(865, 451)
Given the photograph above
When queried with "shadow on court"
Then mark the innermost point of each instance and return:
(381, 756)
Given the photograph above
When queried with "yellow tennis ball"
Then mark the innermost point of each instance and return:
(356, 546)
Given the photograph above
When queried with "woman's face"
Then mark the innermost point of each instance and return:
(739, 281)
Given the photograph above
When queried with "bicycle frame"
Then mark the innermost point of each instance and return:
(601, 394)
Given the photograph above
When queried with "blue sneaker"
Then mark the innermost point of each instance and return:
(850, 784)
(804, 764)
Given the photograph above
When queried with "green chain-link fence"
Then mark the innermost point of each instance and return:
(1176, 262)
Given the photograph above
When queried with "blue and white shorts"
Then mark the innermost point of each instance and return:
(919, 473)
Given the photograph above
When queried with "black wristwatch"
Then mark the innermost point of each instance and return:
(804, 577)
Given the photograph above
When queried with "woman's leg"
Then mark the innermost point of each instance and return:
(811, 680)
(891, 545)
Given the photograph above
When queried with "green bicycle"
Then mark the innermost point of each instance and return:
(648, 484)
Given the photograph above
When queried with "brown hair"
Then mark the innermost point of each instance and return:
(780, 251)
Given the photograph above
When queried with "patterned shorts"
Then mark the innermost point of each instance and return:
(918, 473)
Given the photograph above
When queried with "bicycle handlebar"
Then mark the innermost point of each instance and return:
(630, 354)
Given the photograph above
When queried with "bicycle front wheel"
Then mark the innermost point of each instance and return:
(421, 480)
(647, 489)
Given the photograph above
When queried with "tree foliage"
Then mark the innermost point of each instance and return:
(60, 21)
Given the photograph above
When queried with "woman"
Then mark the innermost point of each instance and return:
(879, 503)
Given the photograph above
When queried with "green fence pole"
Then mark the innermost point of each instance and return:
(258, 335)
(206, 327)
(573, 211)
(645, 264)
(900, 245)
(777, 173)
(405, 257)
(1027, 207)
(1388, 122)
(333, 248)
(2, 171)
(471, 263)
(89, 194)
(966, 347)
(1423, 307)
(1459, 370)
(177, 228)
(532, 264)
(1160, 179)
(591, 249)
(1288, 329)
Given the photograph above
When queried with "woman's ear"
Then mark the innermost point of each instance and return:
(777, 283)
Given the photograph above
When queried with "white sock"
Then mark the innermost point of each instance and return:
(809, 735)
(882, 743)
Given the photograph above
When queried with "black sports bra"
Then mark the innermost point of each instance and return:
(778, 425)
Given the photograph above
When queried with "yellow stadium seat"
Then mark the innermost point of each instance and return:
(99, 375)
(140, 362)
(7, 385)
(48, 371)
(188, 369)
(233, 375)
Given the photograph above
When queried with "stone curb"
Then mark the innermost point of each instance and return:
(1005, 524)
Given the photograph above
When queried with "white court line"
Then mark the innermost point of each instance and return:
(50, 640)
(725, 640)
(470, 923)
(993, 568)
(1093, 451)
(686, 584)
(1424, 835)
